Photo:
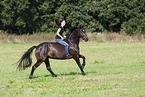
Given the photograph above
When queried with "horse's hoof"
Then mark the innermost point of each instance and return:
(54, 75)
(83, 73)
(30, 77)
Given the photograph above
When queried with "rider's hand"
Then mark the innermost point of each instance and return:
(64, 36)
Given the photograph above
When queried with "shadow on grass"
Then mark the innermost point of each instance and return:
(76, 73)
(71, 73)
(66, 74)
(34, 77)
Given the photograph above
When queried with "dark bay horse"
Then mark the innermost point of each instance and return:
(53, 50)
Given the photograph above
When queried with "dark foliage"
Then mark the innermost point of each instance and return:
(31, 16)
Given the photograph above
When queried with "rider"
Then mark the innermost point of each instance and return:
(59, 38)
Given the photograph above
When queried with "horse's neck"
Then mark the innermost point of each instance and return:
(74, 44)
(73, 39)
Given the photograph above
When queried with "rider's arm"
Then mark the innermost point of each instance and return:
(59, 34)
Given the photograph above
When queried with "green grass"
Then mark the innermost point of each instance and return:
(115, 69)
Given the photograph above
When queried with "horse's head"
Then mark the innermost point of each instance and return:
(75, 33)
(83, 34)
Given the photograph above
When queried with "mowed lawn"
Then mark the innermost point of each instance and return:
(115, 69)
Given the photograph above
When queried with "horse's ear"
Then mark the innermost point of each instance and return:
(57, 22)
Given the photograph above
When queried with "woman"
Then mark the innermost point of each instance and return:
(59, 38)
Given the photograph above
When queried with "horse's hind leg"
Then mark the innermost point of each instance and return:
(34, 68)
(48, 67)
(84, 59)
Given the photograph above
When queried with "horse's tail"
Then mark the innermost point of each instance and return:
(26, 59)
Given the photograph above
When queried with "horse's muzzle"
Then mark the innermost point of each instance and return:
(86, 39)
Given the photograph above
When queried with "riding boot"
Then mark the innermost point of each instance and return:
(68, 57)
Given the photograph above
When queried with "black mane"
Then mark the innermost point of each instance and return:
(71, 30)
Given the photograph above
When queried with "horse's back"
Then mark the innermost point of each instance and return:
(51, 49)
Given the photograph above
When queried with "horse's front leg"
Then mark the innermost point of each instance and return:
(84, 60)
(79, 64)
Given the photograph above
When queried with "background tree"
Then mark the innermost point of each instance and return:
(31, 16)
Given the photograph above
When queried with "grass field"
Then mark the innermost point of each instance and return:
(115, 69)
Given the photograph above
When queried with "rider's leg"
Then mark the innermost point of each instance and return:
(65, 44)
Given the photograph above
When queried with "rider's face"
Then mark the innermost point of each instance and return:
(63, 23)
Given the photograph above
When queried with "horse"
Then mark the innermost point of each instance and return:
(53, 50)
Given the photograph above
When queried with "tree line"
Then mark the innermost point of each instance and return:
(31, 16)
